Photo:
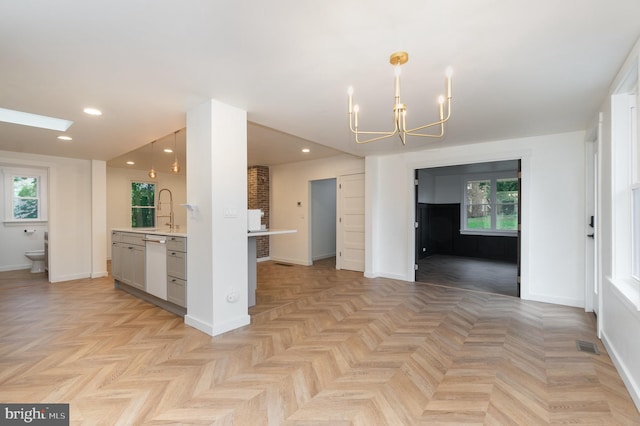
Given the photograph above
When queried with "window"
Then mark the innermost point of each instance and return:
(635, 233)
(490, 205)
(25, 194)
(635, 193)
(143, 211)
(624, 197)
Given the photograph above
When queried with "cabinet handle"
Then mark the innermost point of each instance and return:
(151, 240)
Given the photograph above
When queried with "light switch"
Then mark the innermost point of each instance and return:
(230, 213)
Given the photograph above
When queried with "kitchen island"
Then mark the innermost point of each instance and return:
(151, 264)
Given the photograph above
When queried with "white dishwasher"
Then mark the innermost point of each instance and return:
(156, 265)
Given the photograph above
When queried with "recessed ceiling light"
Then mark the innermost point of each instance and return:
(34, 120)
(65, 138)
(168, 150)
(131, 163)
(92, 111)
(305, 150)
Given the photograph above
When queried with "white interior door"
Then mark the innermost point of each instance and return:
(350, 229)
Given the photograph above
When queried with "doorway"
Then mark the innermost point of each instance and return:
(323, 219)
(468, 226)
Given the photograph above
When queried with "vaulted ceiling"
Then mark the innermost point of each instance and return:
(520, 68)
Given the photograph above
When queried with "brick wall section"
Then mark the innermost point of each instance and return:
(258, 198)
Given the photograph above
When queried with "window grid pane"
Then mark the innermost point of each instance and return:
(635, 234)
(507, 217)
(24, 208)
(143, 217)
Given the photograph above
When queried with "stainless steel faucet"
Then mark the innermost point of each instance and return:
(171, 222)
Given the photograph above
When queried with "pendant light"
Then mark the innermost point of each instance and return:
(397, 59)
(175, 167)
(152, 172)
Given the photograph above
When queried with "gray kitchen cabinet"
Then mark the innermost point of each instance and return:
(116, 256)
(128, 259)
(177, 270)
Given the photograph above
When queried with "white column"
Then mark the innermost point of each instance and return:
(217, 276)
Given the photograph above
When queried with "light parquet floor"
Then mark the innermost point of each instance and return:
(325, 347)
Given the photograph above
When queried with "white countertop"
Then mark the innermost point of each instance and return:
(264, 232)
(153, 231)
(180, 233)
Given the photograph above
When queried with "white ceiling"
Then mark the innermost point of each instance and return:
(520, 68)
(266, 147)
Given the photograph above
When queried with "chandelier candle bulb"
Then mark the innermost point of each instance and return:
(350, 92)
(449, 73)
(355, 118)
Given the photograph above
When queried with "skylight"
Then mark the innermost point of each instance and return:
(34, 120)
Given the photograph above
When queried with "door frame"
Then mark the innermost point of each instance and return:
(525, 165)
(312, 188)
(593, 247)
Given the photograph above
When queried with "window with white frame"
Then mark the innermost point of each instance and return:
(490, 205)
(635, 232)
(625, 199)
(143, 211)
(25, 194)
(635, 191)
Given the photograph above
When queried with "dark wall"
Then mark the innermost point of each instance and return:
(439, 233)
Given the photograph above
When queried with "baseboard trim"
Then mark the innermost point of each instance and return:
(217, 329)
(632, 386)
(198, 325)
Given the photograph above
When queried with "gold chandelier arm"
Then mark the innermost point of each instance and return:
(439, 135)
(387, 135)
(440, 123)
(356, 132)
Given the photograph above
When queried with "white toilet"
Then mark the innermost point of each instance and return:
(37, 257)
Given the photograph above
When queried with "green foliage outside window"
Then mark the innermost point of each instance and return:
(25, 197)
(492, 204)
(143, 210)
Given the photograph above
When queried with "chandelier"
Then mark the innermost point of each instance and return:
(397, 59)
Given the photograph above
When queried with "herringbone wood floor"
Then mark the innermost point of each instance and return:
(325, 347)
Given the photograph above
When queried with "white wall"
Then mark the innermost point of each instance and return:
(119, 197)
(553, 184)
(290, 184)
(70, 216)
(323, 218)
(426, 188)
(619, 314)
(448, 189)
